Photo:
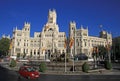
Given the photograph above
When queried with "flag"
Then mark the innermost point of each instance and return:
(91, 49)
(43, 49)
(65, 43)
(10, 47)
(97, 50)
(46, 27)
(101, 26)
(71, 42)
(108, 47)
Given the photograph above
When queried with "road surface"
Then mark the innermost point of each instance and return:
(9, 75)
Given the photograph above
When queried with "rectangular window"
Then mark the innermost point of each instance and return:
(18, 49)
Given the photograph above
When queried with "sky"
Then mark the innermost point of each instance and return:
(91, 13)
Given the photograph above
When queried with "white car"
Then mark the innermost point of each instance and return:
(90, 59)
(23, 60)
(47, 60)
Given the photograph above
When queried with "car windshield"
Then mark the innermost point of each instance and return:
(31, 69)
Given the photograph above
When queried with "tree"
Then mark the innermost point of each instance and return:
(108, 65)
(4, 46)
(102, 52)
(42, 67)
(116, 48)
(85, 67)
(13, 63)
(18, 55)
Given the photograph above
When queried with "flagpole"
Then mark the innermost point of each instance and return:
(71, 47)
(65, 54)
(10, 48)
(72, 58)
(101, 27)
(65, 63)
(74, 50)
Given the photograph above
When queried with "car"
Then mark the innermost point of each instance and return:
(81, 57)
(23, 60)
(47, 60)
(90, 59)
(28, 72)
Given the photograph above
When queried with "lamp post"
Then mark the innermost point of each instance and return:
(72, 40)
(65, 45)
(108, 47)
(74, 50)
(65, 63)
(95, 52)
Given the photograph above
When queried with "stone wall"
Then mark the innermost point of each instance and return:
(61, 66)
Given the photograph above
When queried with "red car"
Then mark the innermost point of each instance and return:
(29, 72)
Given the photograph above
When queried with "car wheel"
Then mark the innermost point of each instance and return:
(28, 77)
(19, 77)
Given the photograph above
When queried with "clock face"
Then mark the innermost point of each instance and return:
(50, 29)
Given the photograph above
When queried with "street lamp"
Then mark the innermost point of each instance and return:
(74, 50)
(65, 46)
(72, 40)
(108, 47)
(95, 52)
(71, 47)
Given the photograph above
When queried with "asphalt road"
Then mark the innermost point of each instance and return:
(9, 75)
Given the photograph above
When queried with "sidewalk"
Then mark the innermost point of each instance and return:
(105, 72)
(91, 72)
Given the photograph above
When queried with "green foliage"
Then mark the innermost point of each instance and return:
(102, 50)
(42, 67)
(4, 46)
(108, 65)
(18, 55)
(116, 47)
(13, 63)
(85, 67)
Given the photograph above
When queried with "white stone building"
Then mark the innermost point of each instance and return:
(44, 44)
(83, 43)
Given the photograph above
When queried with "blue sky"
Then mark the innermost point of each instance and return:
(91, 13)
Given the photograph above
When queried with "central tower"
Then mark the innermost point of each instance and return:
(52, 16)
(52, 40)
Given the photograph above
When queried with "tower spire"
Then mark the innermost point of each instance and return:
(52, 16)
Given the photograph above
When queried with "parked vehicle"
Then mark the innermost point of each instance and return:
(81, 57)
(28, 72)
(13, 57)
(90, 59)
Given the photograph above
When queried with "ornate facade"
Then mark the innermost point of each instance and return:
(44, 44)
(50, 41)
(83, 43)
